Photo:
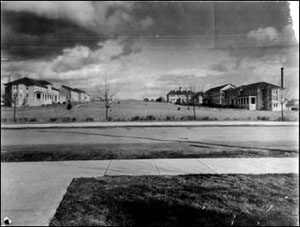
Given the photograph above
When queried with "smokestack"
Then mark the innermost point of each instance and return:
(282, 77)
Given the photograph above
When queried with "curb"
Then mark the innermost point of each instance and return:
(148, 124)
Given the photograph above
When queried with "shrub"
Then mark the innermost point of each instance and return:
(53, 119)
(89, 119)
(206, 118)
(109, 119)
(150, 118)
(169, 118)
(32, 120)
(136, 118)
(73, 119)
(66, 119)
(263, 118)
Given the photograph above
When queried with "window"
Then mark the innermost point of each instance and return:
(252, 100)
(247, 101)
(38, 95)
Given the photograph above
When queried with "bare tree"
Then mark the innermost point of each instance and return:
(283, 98)
(14, 100)
(106, 93)
(194, 99)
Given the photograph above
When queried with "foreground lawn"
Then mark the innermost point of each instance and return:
(133, 110)
(64, 152)
(186, 200)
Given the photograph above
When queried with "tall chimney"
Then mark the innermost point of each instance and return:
(282, 77)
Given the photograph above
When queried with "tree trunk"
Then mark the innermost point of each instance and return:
(194, 109)
(282, 116)
(15, 106)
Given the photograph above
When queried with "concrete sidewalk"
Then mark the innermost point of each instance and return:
(31, 191)
(149, 124)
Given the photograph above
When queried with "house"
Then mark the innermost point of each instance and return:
(256, 96)
(216, 95)
(180, 96)
(293, 104)
(69, 94)
(30, 92)
(83, 96)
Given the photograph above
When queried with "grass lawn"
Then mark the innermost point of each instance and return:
(64, 152)
(128, 110)
(186, 200)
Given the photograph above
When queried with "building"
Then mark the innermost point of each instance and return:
(30, 92)
(256, 96)
(83, 96)
(69, 94)
(180, 96)
(74, 95)
(293, 104)
(216, 95)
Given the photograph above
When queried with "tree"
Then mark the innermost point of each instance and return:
(283, 98)
(14, 100)
(106, 94)
(194, 95)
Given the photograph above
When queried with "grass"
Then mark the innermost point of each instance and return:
(130, 110)
(64, 152)
(186, 200)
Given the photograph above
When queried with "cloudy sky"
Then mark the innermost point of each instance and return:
(146, 49)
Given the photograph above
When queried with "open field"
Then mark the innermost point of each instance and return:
(128, 110)
(186, 200)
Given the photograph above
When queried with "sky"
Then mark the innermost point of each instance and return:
(146, 49)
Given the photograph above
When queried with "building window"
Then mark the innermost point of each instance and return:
(252, 100)
(247, 101)
(38, 95)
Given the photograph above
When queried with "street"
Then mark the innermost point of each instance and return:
(272, 137)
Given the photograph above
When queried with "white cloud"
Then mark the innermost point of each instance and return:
(264, 34)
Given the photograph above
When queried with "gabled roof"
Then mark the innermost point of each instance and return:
(78, 90)
(29, 82)
(218, 88)
(66, 87)
(53, 88)
(258, 85)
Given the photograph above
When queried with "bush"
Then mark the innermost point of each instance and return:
(73, 119)
(150, 118)
(169, 118)
(263, 118)
(136, 118)
(53, 119)
(206, 118)
(89, 119)
(109, 119)
(3, 120)
(32, 120)
(66, 119)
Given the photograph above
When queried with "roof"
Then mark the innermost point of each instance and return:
(180, 92)
(53, 88)
(217, 88)
(29, 82)
(258, 85)
(66, 87)
(78, 90)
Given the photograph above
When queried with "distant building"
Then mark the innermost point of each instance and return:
(30, 92)
(293, 104)
(74, 94)
(256, 96)
(216, 95)
(180, 96)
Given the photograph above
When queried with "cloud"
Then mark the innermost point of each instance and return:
(264, 34)
(102, 17)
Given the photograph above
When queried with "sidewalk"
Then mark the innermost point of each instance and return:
(31, 191)
(149, 124)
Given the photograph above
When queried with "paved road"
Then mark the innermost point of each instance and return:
(278, 137)
(31, 191)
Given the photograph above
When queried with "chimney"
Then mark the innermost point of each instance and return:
(180, 88)
(282, 77)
